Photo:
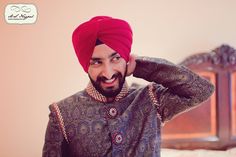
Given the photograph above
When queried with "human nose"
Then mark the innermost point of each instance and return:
(108, 71)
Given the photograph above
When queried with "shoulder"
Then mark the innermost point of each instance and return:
(148, 90)
(135, 87)
(70, 101)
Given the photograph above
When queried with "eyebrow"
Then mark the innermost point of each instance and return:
(97, 59)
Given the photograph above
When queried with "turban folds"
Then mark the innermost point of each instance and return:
(115, 33)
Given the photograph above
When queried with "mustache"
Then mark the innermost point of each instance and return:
(103, 78)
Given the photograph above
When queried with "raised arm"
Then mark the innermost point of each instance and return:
(176, 87)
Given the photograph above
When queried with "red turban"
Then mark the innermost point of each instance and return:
(115, 33)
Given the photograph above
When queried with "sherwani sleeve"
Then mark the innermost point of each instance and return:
(54, 144)
(176, 88)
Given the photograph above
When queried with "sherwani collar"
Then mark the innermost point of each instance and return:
(90, 89)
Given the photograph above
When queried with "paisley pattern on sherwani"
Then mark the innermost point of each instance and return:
(86, 125)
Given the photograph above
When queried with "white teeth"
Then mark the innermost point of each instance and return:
(109, 81)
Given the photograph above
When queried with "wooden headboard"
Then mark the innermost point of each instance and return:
(213, 124)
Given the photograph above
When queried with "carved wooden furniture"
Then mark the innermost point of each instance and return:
(213, 124)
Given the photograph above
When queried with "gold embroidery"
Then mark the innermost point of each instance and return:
(99, 97)
(154, 99)
(61, 122)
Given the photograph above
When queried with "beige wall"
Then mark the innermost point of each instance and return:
(38, 64)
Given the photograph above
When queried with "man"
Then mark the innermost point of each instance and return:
(108, 118)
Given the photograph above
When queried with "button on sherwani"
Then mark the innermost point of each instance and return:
(85, 124)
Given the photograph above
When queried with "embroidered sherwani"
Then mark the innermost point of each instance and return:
(87, 125)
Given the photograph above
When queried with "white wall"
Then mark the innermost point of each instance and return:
(38, 64)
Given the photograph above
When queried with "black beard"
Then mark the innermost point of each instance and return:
(109, 92)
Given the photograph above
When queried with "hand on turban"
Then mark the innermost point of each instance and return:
(115, 33)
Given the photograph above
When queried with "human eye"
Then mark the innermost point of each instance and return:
(116, 58)
(95, 62)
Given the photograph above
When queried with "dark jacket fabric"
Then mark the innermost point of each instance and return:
(86, 125)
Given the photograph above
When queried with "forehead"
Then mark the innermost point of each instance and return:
(102, 51)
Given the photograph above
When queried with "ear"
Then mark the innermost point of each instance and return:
(131, 65)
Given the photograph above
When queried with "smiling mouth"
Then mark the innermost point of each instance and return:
(109, 82)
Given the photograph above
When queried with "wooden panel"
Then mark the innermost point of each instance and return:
(197, 123)
(233, 110)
